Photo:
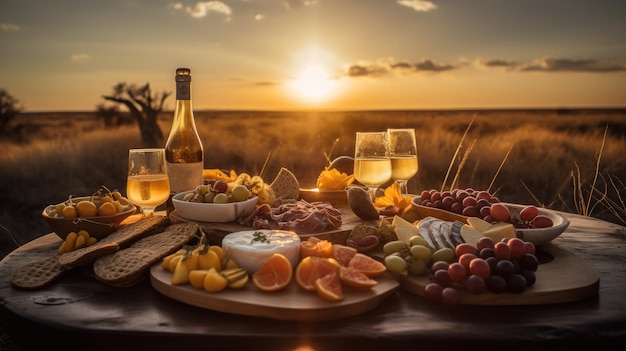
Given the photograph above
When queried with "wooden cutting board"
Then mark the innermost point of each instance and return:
(291, 304)
(217, 231)
(563, 279)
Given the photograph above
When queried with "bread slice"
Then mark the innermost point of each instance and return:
(128, 266)
(285, 185)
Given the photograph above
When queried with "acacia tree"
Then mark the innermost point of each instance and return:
(144, 106)
(8, 109)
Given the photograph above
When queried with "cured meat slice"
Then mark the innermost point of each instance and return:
(300, 217)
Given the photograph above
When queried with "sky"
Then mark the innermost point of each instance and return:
(64, 55)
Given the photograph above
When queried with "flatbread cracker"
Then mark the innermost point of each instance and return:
(128, 266)
(121, 238)
(286, 185)
(38, 274)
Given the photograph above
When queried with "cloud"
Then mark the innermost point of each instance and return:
(202, 9)
(294, 4)
(79, 57)
(389, 67)
(570, 65)
(552, 65)
(259, 17)
(418, 5)
(8, 27)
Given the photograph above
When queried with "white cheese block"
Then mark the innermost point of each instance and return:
(251, 247)
(500, 231)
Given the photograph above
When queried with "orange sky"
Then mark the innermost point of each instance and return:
(349, 54)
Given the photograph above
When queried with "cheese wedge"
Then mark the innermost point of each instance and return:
(500, 231)
(470, 235)
(478, 224)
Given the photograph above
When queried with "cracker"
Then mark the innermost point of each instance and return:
(121, 238)
(285, 185)
(128, 266)
(38, 274)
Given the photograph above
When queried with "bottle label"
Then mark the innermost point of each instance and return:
(184, 176)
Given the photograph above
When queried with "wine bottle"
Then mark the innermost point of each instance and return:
(184, 154)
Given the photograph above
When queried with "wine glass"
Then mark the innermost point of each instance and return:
(372, 165)
(403, 153)
(148, 185)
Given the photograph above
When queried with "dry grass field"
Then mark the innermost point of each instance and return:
(569, 160)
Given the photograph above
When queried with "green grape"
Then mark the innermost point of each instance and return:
(202, 189)
(187, 196)
(444, 254)
(418, 240)
(394, 246)
(420, 252)
(208, 197)
(220, 198)
(395, 264)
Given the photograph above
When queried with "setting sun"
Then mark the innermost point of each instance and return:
(312, 86)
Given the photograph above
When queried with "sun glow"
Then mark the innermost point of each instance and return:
(313, 85)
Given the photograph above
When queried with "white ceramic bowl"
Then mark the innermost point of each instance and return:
(541, 235)
(210, 212)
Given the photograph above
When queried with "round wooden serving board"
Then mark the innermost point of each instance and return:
(563, 279)
(292, 303)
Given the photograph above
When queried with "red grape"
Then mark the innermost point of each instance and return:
(480, 267)
(442, 277)
(434, 196)
(447, 202)
(528, 213)
(516, 283)
(470, 211)
(484, 242)
(469, 201)
(505, 268)
(517, 246)
(433, 291)
(457, 207)
(465, 259)
(500, 212)
(542, 221)
(465, 248)
(450, 296)
(220, 186)
(439, 265)
(457, 272)
(502, 250)
(483, 195)
(530, 247)
(475, 284)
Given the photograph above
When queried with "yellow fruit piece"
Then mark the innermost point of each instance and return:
(209, 260)
(174, 262)
(70, 241)
(84, 234)
(166, 260)
(61, 248)
(80, 242)
(180, 274)
(196, 278)
(107, 209)
(86, 209)
(239, 283)
(91, 241)
(191, 261)
(214, 281)
(218, 250)
(69, 212)
(332, 179)
(231, 264)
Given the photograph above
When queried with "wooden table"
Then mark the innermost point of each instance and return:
(81, 313)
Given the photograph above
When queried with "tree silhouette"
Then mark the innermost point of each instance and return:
(8, 110)
(144, 106)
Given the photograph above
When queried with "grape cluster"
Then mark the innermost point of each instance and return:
(218, 192)
(508, 265)
(482, 204)
(414, 257)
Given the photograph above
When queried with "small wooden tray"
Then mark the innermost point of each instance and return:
(291, 304)
(565, 278)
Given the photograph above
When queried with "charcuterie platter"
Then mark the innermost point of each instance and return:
(291, 303)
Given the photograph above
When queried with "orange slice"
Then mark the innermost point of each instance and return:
(329, 287)
(367, 265)
(343, 254)
(274, 274)
(355, 278)
(312, 268)
(316, 247)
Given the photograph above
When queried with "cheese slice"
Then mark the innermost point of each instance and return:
(470, 234)
(500, 231)
(478, 224)
(251, 247)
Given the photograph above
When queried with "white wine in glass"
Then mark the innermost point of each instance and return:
(148, 185)
(372, 165)
(403, 153)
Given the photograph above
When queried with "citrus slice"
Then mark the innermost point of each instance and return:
(367, 265)
(343, 254)
(329, 287)
(311, 268)
(316, 247)
(274, 273)
(355, 278)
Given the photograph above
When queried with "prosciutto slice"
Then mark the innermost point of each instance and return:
(301, 217)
